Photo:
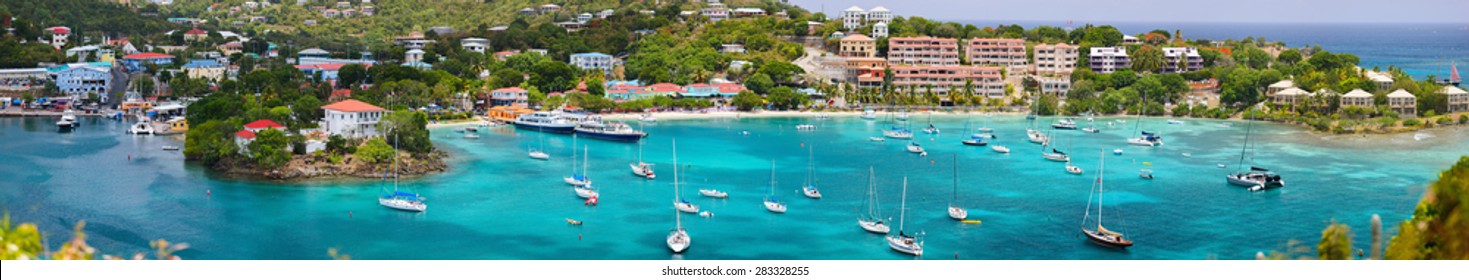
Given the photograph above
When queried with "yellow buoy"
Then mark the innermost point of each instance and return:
(972, 222)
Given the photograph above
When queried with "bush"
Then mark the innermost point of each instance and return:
(376, 150)
(1463, 119)
(1412, 122)
(1388, 121)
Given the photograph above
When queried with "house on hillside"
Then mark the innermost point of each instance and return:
(352, 119)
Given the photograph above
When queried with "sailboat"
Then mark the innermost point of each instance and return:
(930, 129)
(1054, 154)
(584, 190)
(678, 238)
(679, 203)
(401, 200)
(977, 139)
(903, 242)
(539, 153)
(577, 179)
(1147, 138)
(1257, 178)
(642, 169)
(913, 147)
(872, 221)
(1101, 235)
(986, 129)
(770, 202)
(956, 212)
(810, 185)
(902, 116)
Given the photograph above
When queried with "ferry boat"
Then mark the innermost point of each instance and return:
(594, 127)
(545, 122)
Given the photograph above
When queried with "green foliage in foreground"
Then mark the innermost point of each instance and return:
(1439, 229)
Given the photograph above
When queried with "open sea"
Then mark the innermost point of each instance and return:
(495, 203)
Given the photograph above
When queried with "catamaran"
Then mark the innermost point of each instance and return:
(809, 188)
(1101, 235)
(872, 220)
(956, 212)
(1257, 179)
(770, 203)
(903, 242)
(678, 238)
(641, 168)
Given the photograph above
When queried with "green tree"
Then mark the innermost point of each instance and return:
(760, 83)
(269, 149)
(351, 74)
(507, 78)
(1147, 59)
(1289, 57)
(1440, 222)
(747, 100)
(306, 110)
(376, 150)
(785, 98)
(409, 129)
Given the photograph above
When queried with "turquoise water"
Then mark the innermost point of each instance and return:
(495, 203)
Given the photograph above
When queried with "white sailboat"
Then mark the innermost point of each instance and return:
(771, 203)
(1054, 154)
(1000, 149)
(401, 200)
(1101, 235)
(577, 179)
(903, 242)
(678, 238)
(913, 147)
(930, 129)
(641, 168)
(956, 212)
(869, 114)
(1146, 138)
(872, 221)
(809, 188)
(1036, 136)
(540, 152)
(585, 189)
(679, 203)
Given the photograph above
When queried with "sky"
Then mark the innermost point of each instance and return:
(1101, 11)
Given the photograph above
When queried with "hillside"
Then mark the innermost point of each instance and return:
(83, 16)
(396, 17)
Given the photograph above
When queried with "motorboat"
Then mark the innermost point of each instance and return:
(141, 127)
(1145, 174)
(69, 120)
(1117, 151)
(869, 114)
(1000, 149)
(647, 118)
(1091, 129)
(975, 141)
(1175, 122)
(545, 122)
(713, 193)
(875, 139)
(170, 148)
(1073, 169)
(805, 127)
(595, 128)
(471, 135)
(915, 148)
(539, 155)
(1064, 124)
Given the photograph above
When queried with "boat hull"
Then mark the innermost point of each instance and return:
(713, 193)
(1056, 157)
(1141, 142)
(958, 213)
(679, 241)
(403, 205)
(904, 245)
(558, 129)
(811, 192)
(585, 192)
(1238, 180)
(873, 226)
(686, 207)
(632, 137)
(1000, 149)
(1108, 241)
(775, 207)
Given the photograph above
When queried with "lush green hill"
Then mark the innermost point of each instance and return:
(399, 17)
(83, 16)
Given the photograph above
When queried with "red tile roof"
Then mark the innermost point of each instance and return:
(510, 89)
(262, 124)
(195, 31)
(147, 55)
(341, 93)
(665, 87)
(352, 105)
(59, 30)
(245, 134)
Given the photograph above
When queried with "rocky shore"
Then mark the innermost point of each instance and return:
(311, 167)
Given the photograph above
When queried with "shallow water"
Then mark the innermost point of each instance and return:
(496, 203)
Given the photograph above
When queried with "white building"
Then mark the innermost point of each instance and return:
(1357, 97)
(1190, 56)
(413, 55)
(879, 14)
(1457, 97)
(1107, 60)
(1057, 86)
(880, 30)
(598, 61)
(353, 119)
(1404, 103)
(59, 36)
(716, 12)
(853, 18)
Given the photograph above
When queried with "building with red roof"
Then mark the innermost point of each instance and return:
(257, 126)
(196, 34)
(352, 118)
(59, 36)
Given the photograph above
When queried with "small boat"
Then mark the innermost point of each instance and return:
(1257, 179)
(685, 206)
(805, 127)
(983, 135)
(975, 141)
(713, 193)
(585, 191)
(746, 133)
(459, 130)
(809, 187)
(771, 204)
(902, 116)
(1036, 136)
(914, 148)
(1064, 124)
(678, 238)
(903, 242)
(1056, 155)
(1175, 122)
(403, 201)
(1117, 152)
(170, 148)
(647, 118)
(986, 129)
(706, 214)
(1091, 130)
(869, 114)
(471, 135)
(1101, 235)
(640, 168)
(573, 222)
(1073, 169)
(823, 116)
(1187, 155)
(471, 129)
(141, 127)
(1000, 149)
(539, 155)
(1145, 174)
(1221, 165)
(931, 130)
(875, 139)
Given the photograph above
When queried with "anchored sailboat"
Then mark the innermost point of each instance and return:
(1100, 235)
(903, 242)
(401, 200)
(1257, 179)
(678, 238)
(956, 212)
(872, 220)
(770, 203)
(641, 168)
(810, 185)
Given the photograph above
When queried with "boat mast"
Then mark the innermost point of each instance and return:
(956, 181)
(811, 166)
(1101, 169)
(1246, 145)
(903, 206)
(772, 179)
(678, 219)
(872, 193)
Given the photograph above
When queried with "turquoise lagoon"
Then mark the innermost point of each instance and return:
(495, 203)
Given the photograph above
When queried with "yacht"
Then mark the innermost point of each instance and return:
(1000, 149)
(1036, 136)
(914, 148)
(1056, 155)
(903, 242)
(898, 132)
(1147, 139)
(975, 141)
(69, 120)
(405, 201)
(1256, 179)
(594, 127)
(872, 221)
(585, 191)
(685, 206)
(545, 122)
(713, 193)
(1064, 124)
(141, 127)
(771, 204)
